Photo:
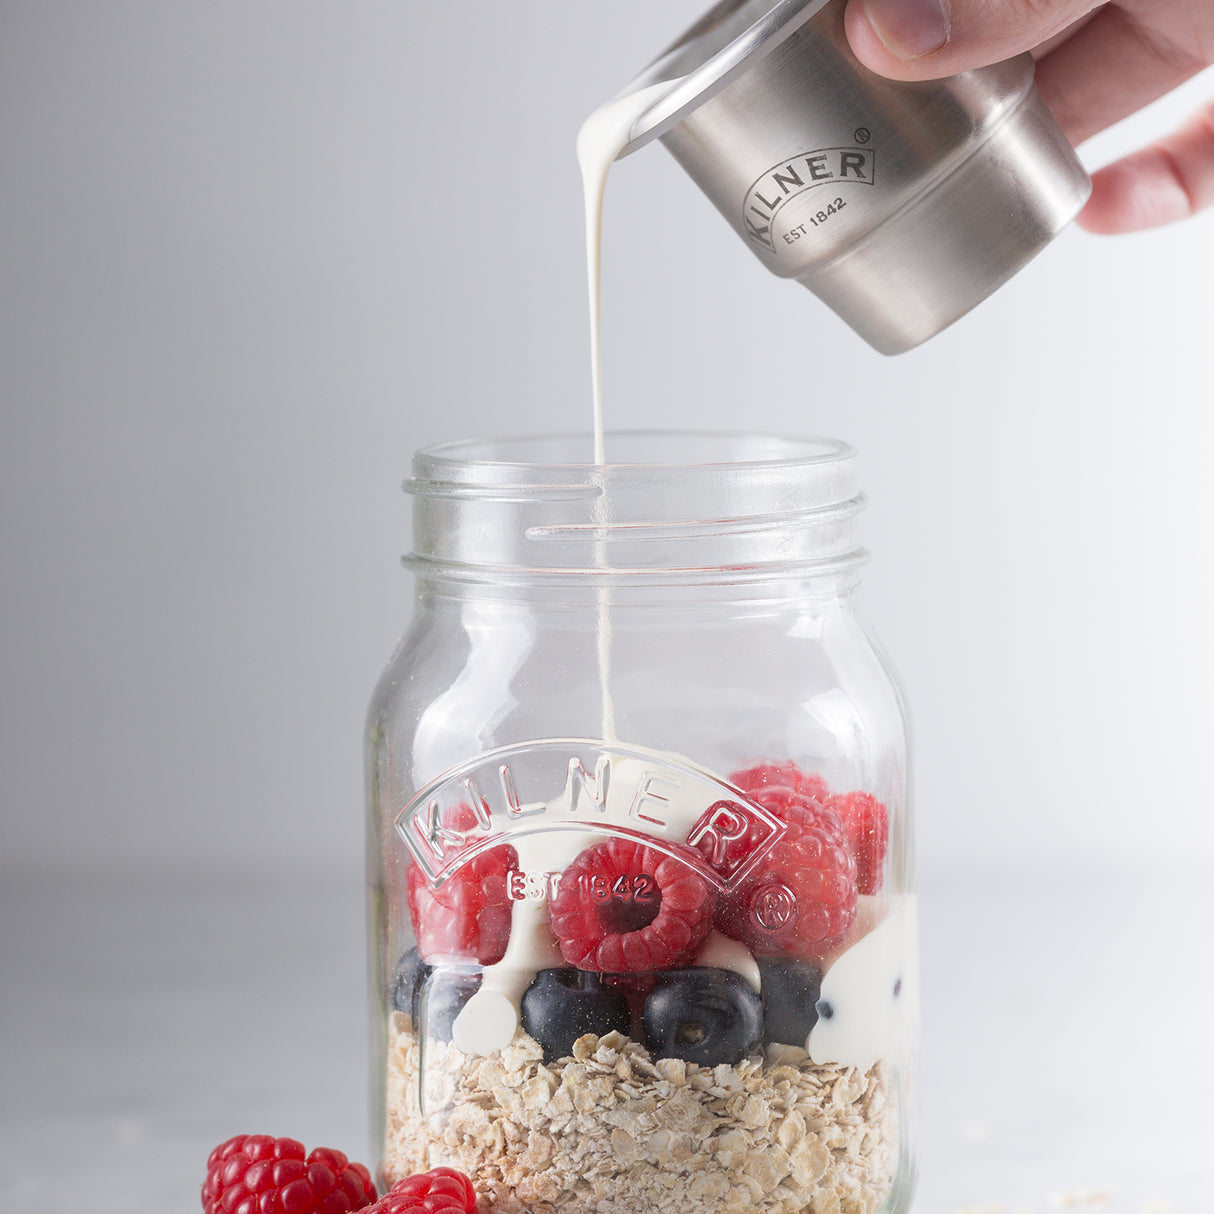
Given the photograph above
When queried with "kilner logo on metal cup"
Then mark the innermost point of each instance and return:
(790, 178)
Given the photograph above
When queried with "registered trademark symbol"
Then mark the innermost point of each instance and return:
(773, 906)
(863, 134)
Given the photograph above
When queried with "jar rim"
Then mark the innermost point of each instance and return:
(672, 505)
(797, 451)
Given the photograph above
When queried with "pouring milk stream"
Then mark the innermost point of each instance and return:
(490, 1018)
(602, 137)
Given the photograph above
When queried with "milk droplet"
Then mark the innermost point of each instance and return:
(487, 1022)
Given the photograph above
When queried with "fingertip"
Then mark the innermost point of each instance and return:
(865, 44)
(860, 33)
(876, 53)
(1133, 194)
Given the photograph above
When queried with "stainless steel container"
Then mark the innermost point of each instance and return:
(900, 205)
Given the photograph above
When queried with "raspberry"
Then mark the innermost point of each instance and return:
(257, 1174)
(802, 897)
(787, 774)
(866, 823)
(622, 907)
(438, 1191)
(774, 786)
(865, 820)
(467, 918)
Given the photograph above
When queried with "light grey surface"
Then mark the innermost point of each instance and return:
(1066, 1046)
(251, 256)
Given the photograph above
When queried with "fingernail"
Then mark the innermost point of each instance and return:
(909, 28)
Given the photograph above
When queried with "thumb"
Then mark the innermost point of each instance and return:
(924, 39)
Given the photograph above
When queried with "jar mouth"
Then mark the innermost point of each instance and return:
(478, 460)
(683, 505)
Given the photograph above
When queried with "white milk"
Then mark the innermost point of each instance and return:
(490, 1019)
(599, 142)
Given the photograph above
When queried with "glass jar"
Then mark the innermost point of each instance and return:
(643, 925)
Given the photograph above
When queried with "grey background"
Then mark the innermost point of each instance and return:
(252, 255)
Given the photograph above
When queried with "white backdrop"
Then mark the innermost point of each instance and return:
(253, 254)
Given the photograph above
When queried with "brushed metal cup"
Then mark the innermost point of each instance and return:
(900, 205)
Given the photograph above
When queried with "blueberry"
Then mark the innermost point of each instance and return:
(442, 997)
(411, 972)
(791, 990)
(564, 1004)
(702, 1015)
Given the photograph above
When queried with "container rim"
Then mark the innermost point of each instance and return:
(437, 462)
(705, 58)
(685, 507)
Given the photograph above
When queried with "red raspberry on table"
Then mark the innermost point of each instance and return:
(789, 775)
(257, 1174)
(438, 1191)
(866, 823)
(467, 917)
(622, 907)
(802, 897)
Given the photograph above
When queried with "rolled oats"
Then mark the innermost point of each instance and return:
(613, 1129)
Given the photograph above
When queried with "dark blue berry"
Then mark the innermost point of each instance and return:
(411, 972)
(442, 998)
(562, 1005)
(791, 989)
(702, 1015)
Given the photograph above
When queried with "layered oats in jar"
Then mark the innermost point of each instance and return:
(613, 975)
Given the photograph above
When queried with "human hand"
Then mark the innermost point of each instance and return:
(1096, 64)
